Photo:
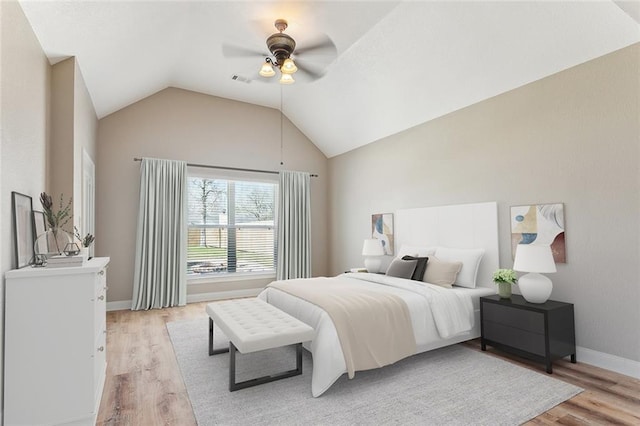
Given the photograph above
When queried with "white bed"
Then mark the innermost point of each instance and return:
(328, 359)
(475, 227)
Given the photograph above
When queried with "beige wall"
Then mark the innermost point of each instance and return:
(183, 125)
(73, 129)
(24, 111)
(60, 179)
(572, 137)
(85, 137)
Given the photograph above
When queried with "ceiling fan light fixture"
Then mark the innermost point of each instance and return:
(267, 69)
(287, 79)
(288, 66)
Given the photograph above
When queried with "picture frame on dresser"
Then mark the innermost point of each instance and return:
(39, 224)
(23, 233)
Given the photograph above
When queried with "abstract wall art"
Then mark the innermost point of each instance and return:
(382, 229)
(539, 224)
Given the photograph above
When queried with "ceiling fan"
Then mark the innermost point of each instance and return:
(282, 48)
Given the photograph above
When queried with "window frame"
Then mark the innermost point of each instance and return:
(238, 176)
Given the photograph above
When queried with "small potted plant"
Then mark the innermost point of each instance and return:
(85, 241)
(504, 278)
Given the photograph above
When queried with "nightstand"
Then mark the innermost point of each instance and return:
(542, 332)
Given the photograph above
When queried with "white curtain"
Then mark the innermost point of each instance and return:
(161, 243)
(294, 226)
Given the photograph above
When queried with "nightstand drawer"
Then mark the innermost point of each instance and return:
(515, 318)
(514, 337)
(542, 332)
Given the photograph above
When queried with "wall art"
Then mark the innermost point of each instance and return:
(382, 229)
(539, 224)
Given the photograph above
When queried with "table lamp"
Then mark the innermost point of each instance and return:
(372, 249)
(535, 259)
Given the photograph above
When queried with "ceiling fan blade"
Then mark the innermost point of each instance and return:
(323, 45)
(235, 51)
(313, 72)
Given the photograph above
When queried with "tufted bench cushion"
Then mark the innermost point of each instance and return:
(254, 325)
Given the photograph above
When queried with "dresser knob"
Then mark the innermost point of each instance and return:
(101, 297)
(101, 349)
(101, 272)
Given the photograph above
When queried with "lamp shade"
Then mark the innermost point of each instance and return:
(372, 247)
(288, 66)
(534, 258)
(267, 70)
(286, 79)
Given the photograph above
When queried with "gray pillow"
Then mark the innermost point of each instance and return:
(418, 273)
(402, 268)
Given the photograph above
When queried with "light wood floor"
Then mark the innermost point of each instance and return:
(144, 385)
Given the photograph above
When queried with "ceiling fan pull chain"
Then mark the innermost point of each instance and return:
(281, 132)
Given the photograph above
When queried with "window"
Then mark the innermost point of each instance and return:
(231, 226)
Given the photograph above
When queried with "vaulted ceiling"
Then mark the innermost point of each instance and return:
(398, 63)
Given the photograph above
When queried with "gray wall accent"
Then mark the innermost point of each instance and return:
(572, 137)
(182, 125)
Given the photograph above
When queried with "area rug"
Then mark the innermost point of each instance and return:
(448, 386)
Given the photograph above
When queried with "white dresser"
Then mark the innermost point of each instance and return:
(54, 344)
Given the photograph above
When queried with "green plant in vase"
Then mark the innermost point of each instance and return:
(57, 219)
(504, 279)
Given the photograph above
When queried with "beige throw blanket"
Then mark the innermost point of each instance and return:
(374, 327)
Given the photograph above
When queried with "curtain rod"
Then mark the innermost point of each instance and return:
(206, 166)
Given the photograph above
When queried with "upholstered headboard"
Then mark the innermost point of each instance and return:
(463, 226)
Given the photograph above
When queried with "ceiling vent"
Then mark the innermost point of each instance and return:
(240, 78)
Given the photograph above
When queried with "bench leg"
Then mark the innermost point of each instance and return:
(233, 386)
(211, 350)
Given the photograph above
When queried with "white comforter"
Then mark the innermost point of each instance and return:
(436, 314)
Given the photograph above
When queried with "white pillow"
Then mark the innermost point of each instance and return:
(415, 251)
(470, 259)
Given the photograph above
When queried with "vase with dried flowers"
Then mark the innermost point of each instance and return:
(56, 238)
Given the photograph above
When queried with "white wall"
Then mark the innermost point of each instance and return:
(182, 125)
(572, 138)
(24, 111)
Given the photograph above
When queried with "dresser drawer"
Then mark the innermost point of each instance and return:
(515, 318)
(515, 337)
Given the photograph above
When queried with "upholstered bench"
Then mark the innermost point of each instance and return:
(253, 325)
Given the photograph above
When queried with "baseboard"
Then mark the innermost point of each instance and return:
(193, 298)
(615, 363)
(119, 305)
